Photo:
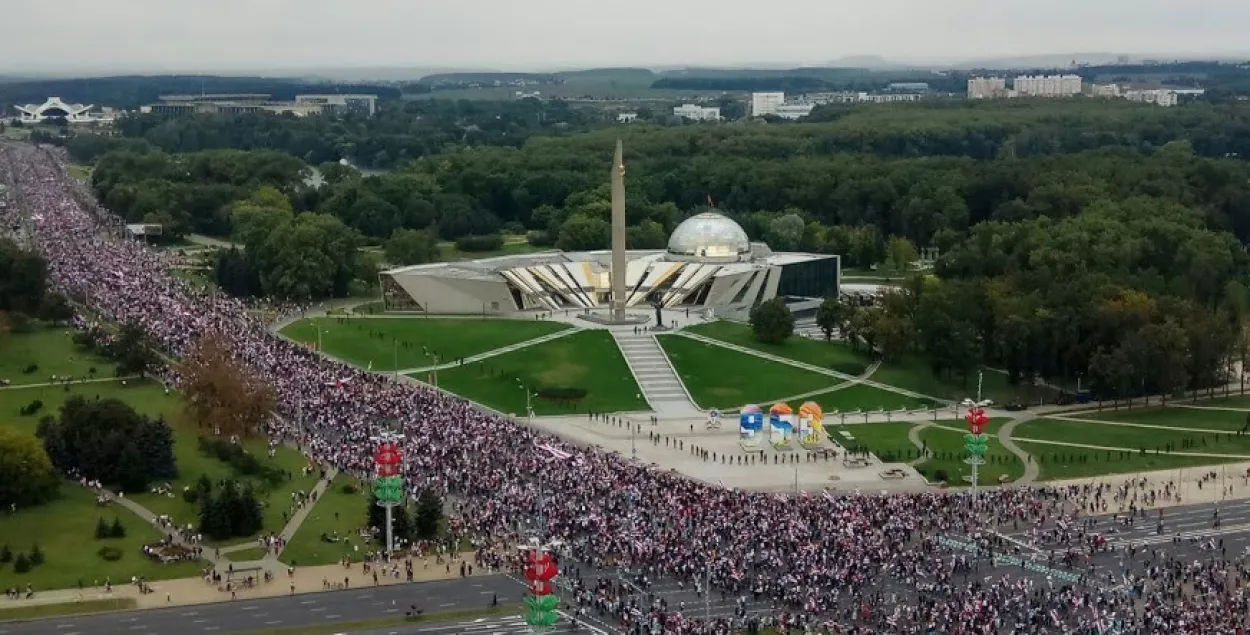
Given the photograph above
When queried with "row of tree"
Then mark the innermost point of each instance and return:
(106, 440)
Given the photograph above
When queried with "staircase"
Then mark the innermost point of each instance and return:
(660, 385)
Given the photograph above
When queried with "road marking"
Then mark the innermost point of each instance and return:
(485, 592)
(333, 617)
(260, 615)
(137, 627)
(476, 586)
(198, 621)
(248, 608)
(446, 605)
(190, 613)
(309, 602)
(364, 596)
(131, 619)
(319, 608)
(274, 622)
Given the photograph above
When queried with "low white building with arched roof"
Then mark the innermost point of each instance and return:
(53, 108)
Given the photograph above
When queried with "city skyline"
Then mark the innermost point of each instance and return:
(184, 36)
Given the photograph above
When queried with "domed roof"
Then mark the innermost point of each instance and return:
(709, 235)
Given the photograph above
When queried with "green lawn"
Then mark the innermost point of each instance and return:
(915, 375)
(246, 555)
(718, 377)
(415, 342)
(1059, 462)
(863, 397)
(832, 355)
(1130, 437)
(1230, 420)
(947, 443)
(1234, 400)
(65, 531)
(512, 246)
(338, 513)
(53, 351)
(148, 397)
(589, 360)
(886, 439)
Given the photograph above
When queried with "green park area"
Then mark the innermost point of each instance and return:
(944, 442)
(845, 400)
(833, 355)
(718, 377)
(412, 342)
(581, 372)
(330, 532)
(36, 357)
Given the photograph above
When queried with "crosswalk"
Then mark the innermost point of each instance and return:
(506, 625)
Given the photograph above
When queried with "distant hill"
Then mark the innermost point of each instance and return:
(132, 91)
(457, 79)
(639, 76)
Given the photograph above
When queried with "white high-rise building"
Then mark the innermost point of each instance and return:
(766, 103)
(697, 113)
(1161, 97)
(1047, 85)
(986, 87)
(1104, 90)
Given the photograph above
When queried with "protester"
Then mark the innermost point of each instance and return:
(854, 563)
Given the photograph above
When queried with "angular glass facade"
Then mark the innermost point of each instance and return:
(811, 279)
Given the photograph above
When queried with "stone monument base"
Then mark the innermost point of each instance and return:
(608, 320)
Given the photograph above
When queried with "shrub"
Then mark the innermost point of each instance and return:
(349, 488)
(102, 529)
(36, 555)
(243, 462)
(21, 564)
(191, 495)
(30, 369)
(941, 475)
(562, 393)
(492, 242)
(6, 554)
(117, 530)
(111, 554)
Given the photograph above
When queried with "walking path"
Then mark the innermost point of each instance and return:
(809, 367)
(58, 384)
(1005, 437)
(913, 435)
(1224, 408)
(489, 354)
(1130, 424)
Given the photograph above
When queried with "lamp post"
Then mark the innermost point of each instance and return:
(529, 407)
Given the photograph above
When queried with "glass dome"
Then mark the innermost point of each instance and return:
(709, 235)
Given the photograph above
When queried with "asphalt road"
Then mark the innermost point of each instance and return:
(241, 616)
(503, 625)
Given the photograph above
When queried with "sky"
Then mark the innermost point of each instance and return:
(198, 35)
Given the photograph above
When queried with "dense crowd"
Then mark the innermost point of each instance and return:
(855, 563)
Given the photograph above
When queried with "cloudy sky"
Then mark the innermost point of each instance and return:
(187, 35)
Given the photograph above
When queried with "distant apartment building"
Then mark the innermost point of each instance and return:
(245, 103)
(1104, 90)
(987, 87)
(626, 117)
(766, 103)
(887, 98)
(1047, 85)
(1159, 97)
(697, 113)
(909, 87)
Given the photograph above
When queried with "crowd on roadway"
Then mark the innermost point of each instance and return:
(854, 563)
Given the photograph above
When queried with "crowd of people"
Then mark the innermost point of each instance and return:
(852, 563)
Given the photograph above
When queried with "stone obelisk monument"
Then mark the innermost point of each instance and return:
(618, 235)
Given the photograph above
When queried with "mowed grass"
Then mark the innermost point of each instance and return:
(589, 360)
(882, 439)
(1060, 462)
(53, 351)
(946, 442)
(718, 377)
(150, 398)
(512, 246)
(1131, 437)
(832, 355)
(1175, 417)
(336, 513)
(65, 531)
(413, 342)
(915, 375)
(866, 398)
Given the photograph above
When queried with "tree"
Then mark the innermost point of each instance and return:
(785, 232)
(27, 476)
(223, 394)
(832, 316)
(23, 277)
(411, 247)
(901, 253)
(772, 322)
(133, 352)
(427, 515)
(107, 440)
(230, 512)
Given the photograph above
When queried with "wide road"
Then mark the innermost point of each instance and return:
(245, 615)
(502, 625)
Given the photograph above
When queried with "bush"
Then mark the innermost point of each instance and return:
(349, 489)
(30, 369)
(111, 554)
(102, 529)
(562, 393)
(492, 242)
(117, 530)
(6, 554)
(241, 460)
(36, 555)
(191, 495)
(21, 564)
(942, 476)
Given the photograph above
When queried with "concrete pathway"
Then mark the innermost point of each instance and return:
(1152, 426)
(57, 384)
(809, 367)
(1193, 407)
(1005, 437)
(655, 374)
(146, 514)
(913, 435)
(488, 354)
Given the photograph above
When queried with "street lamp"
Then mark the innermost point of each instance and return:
(529, 408)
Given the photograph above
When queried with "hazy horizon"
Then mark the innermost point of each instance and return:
(182, 36)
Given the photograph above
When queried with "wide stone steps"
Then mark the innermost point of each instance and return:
(660, 385)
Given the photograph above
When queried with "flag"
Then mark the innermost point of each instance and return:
(370, 365)
(554, 451)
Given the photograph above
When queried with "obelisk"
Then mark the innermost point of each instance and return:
(618, 235)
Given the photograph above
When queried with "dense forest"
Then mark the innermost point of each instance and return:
(1079, 239)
